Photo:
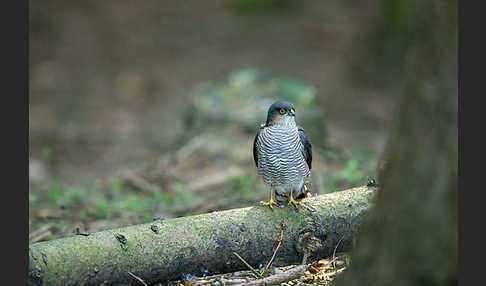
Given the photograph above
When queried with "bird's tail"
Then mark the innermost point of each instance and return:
(303, 193)
(281, 198)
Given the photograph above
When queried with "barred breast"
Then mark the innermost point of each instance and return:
(281, 162)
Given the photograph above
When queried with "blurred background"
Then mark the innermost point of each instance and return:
(148, 110)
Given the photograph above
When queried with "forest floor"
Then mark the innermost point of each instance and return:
(320, 272)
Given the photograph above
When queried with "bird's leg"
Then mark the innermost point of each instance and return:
(271, 201)
(292, 200)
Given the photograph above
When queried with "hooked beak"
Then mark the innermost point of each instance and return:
(291, 112)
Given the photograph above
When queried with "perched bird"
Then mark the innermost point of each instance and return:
(283, 155)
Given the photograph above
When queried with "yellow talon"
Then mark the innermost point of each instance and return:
(293, 201)
(270, 203)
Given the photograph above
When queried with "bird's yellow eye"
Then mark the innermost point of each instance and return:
(282, 111)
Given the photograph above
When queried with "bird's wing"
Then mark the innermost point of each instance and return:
(307, 150)
(255, 149)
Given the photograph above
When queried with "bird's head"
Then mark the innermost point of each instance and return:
(281, 112)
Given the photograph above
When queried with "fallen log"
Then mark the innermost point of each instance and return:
(166, 250)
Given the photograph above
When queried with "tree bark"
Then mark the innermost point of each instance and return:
(410, 236)
(204, 244)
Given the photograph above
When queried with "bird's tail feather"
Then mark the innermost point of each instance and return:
(299, 195)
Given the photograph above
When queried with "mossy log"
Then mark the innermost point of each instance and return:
(203, 244)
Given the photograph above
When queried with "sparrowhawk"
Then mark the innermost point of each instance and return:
(283, 155)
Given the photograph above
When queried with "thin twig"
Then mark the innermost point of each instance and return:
(248, 265)
(334, 253)
(138, 278)
(279, 278)
(282, 228)
(235, 281)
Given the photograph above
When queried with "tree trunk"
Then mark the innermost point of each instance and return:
(203, 244)
(410, 237)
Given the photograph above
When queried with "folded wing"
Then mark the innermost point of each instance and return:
(307, 150)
